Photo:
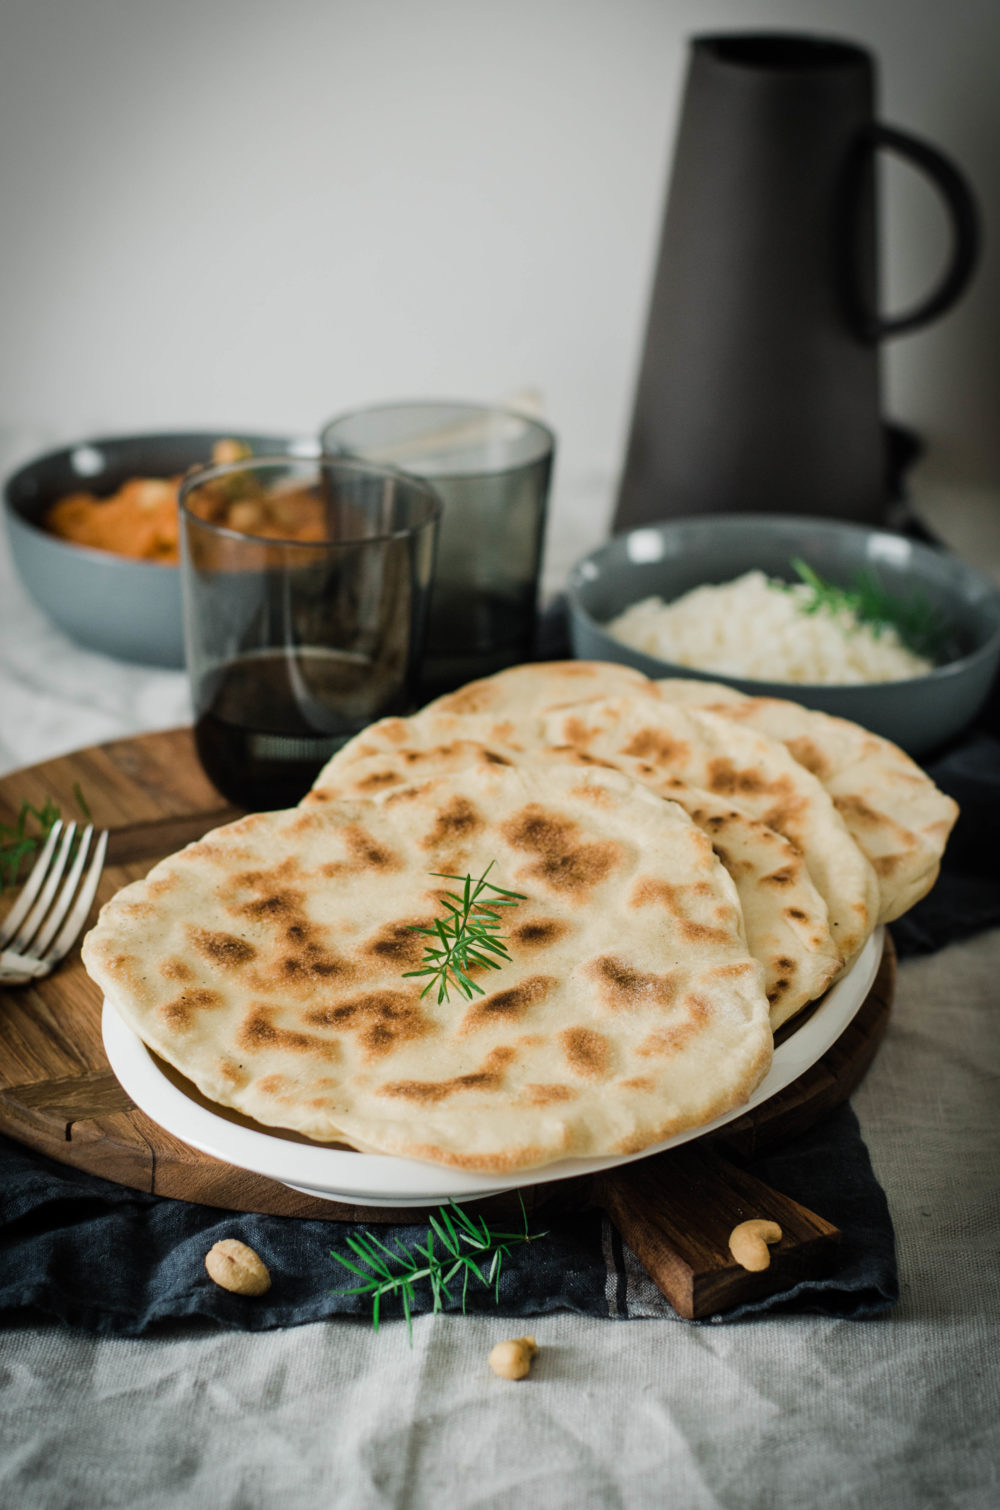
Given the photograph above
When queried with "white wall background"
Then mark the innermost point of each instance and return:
(255, 213)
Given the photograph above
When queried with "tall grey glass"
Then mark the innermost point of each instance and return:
(492, 468)
(305, 587)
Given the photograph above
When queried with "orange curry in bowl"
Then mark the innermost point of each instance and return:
(140, 519)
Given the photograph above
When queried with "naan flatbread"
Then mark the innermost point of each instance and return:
(892, 808)
(894, 812)
(846, 881)
(538, 686)
(786, 919)
(266, 963)
(756, 773)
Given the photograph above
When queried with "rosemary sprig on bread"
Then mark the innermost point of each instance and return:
(467, 937)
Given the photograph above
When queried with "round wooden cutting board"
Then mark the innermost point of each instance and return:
(59, 1096)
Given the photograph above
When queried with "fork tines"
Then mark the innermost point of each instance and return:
(42, 925)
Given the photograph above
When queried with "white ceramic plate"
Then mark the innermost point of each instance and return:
(363, 1179)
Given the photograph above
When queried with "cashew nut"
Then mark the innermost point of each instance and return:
(512, 1360)
(748, 1243)
(236, 1267)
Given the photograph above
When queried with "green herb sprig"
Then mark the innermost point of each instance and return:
(28, 833)
(468, 1248)
(467, 936)
(919, 625)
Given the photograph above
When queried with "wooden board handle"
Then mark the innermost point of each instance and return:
(677, 1211)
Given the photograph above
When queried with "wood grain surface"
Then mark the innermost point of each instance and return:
(59, 1096)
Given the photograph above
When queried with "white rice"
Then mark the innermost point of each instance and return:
(754, 627)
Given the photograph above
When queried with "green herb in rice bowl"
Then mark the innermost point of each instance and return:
(808, 633)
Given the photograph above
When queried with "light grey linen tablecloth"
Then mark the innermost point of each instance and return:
(802, 1412)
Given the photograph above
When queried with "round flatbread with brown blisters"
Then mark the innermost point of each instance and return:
(786, 919)
(268, 963)
(893, 810)
(538, 686)
(752, 771)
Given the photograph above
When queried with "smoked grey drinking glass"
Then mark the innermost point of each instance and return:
(492, 468)
(305, 588)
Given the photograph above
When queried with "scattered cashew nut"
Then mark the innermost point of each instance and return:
(236, 1267)
(512, 1360)
(749, 1243)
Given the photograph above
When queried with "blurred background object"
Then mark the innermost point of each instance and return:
(226, 212)
(126, 605)
(957, 615)
(491, 468)
(760, 385)
(305, 620)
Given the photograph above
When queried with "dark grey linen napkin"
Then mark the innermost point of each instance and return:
(116, 1262)
(966, 897)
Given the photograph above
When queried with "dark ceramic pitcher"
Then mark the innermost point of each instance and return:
(759, 387)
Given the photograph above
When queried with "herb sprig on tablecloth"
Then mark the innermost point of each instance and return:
(458, 1246)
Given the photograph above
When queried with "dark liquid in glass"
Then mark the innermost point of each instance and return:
(472, 634)
(269, 721)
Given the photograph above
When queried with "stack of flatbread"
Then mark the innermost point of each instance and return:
(693, 869)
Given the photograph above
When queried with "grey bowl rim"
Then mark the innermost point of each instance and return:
(938, 674)
(109, 559)
(470, 406)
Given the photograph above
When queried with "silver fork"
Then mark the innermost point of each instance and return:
(41, 927)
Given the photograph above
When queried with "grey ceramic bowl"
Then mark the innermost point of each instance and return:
(669, 559)
(127, 609)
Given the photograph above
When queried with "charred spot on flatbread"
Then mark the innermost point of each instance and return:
(181, 1011)
(398, 943)
(382, 1020)
(538, 933)
(565, 859)
(377, 781)
(656, 746)
(729, 780)
(457, 820)
(489, 1077)
(367, 853)
(588, 1052)
(669, 1038)
(508, 1005)
(623, 988)
(808, 753)
(260, 1031)
(226, 950)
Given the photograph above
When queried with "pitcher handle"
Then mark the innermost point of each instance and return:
(965, 224)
